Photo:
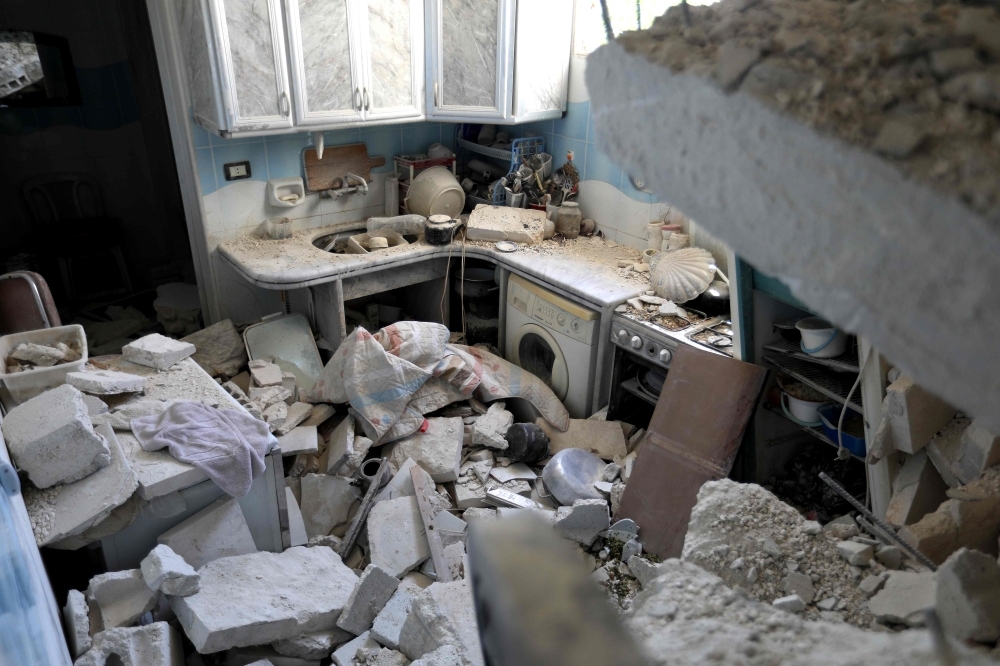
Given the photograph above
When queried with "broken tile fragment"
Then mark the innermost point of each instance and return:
(295, 414)
(265, 374)
(106, 382)
(301, 439)
(583, 521)
(167, 572)
(396, 536)
(157, 351)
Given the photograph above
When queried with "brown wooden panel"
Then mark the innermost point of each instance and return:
(328, 173)
(693, 437)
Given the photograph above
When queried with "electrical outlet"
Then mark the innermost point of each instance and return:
(237, 170)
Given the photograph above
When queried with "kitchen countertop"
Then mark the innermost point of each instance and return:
(586, 268)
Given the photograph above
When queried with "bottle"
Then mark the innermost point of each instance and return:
(568, 221)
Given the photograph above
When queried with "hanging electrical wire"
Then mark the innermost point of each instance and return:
(607, 21)
(638, 14)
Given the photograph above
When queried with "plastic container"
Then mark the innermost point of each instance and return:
(830, 416)
(569, 219)
(435, 191)
(279, 227)
(24, 386)
(820, 338)
(359, 244)
(802, 412)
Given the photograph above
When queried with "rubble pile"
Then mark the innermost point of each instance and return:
(914, 82)
(29, 356)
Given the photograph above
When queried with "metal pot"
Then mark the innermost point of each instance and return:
(477, 283)
(714, 300)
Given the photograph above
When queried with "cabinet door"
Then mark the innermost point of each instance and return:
(470, 59)
(544, 43)
(394, 58)
(326, 68)
(251, 47)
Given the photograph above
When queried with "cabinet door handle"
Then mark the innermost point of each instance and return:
(366, 99)
(436, 94)
(357, 98)
(285, 106)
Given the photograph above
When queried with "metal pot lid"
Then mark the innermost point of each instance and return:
(571, 474)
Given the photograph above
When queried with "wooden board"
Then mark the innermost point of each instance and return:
(328, 173)
(693, 437)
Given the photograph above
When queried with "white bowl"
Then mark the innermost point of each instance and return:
(820, 338)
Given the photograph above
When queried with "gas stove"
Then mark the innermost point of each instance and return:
(656, 344)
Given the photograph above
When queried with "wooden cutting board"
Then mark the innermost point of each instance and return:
(328, 173)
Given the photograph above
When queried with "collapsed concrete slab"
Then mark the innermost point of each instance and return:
(302, 439)
(326, 502)
(583, 521)
(106, 382)
(52, 439)
(339, 447)
(265, 597)
(218, 349)
(438, 450)
(396, 536)
(296, 525)
(120, 598)
(344, 655)
(490, 429)
(968, 596)
(167, 572)
(904, 598)
(318, 645)
(76, 617)
(373, 590)
(979, 450)
(443, 614)
(357, 456)
(604, 439)
(157, 351)
(917, 490)
(265, 374)
(381, 657)
(446, 655)
(156, 644)
(218, 530)
(913, 415)
(945, 447)
(296, 414)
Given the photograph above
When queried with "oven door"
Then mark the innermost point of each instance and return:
(536, 351)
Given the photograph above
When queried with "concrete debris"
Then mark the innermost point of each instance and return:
(43, 356)
(269, 395)
(380, 657)
(898, 139)
(891, 557)
(294, 415)
(611, 472)
(219, 530)
(617, 492)
(914, 415)
(339, 447)
(438, 450)
(793, 603)
(604, 439)
(106, 382)
(320, 414)
(968, 596)
(288, 381)
(396, 536)
(265, 374)
(157, 351)
(514, 472)
(258, 656)
(497, 223)
(917, 490)
(735, 520)
(241, 397)
(218, 349)
(167, 572)
(443, 614)
(689, 617)
(265, 597)
(275, 415)
(156, 644)
(345, 654)
(317, 645)
(401, 484)
(856, 554)
(326, 502)
(800, 585)
(632, 548)
(945, 447)
(490, 429)
(372, 592)
(473, 514)
(297, 535)
(51, 438)
(904, 598)
(358, 454)
(583, 521)
(471, 495)
(963, 451)
(482, 470)
(76, 617)
(120, 599)
(871, 584)
(389, 622)
(95, 406)
(446, 655)
(644, 570)
(302, 439)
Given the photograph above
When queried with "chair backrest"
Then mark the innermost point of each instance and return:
(26, 303)
(58, 197)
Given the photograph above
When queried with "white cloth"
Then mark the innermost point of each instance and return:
(228, 445)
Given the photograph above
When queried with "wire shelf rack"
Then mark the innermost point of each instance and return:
(831, 384)
(846, 362)
(815, 432)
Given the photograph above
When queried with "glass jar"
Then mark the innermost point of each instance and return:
(568, 220)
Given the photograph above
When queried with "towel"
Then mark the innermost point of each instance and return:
(228, 445)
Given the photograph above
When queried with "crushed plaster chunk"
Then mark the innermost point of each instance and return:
(219, 530)
(156, 644)
(166, 571)
(122, 597)
(157, 351)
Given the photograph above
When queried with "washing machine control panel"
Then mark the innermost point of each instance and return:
(557, 319)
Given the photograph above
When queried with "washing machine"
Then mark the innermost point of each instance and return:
(554, 339)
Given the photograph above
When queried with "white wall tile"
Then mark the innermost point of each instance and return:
(599, 202)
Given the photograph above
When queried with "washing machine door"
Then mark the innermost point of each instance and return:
(537, 351)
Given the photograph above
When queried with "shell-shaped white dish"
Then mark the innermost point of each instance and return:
(683, 274)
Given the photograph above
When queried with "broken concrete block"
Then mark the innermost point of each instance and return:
(471, 495)
(979, 450)
(915, 415)
(121, 597)
(382, 657)
(265, 597)
(326, 502)
(295, 414)
(265, 397)
(95, 406)
(935, 535)
(373, 590)
(340, 446)
(514, 472)
(944, 448)
(353, 463)
(482, 469)
(389, 622)
(903, 598)
(793, 603)
(584, 520)
(265, 374)
(166, 571)
(318, 645)
(157, 351)
(156, 644)
(76, 617)
(856, 554)
(970, 519)
(264, 656)
(218, 530)
(917, 490)
(218, 349)
(490, 429)
(642, 569)
(275, 415)
(296, 526)
(604, 439)
(344, 655)
(52, 439)
(446, 655)
(438, 450)
(968, 596)
(443, 614)
(396, 536)
(800, 585)
(41, 355)
(871, 584)
(302, 439)
(106, 382)
(891, 557)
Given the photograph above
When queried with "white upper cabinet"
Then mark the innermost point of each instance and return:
(236, 64)
(393, 48)
(498, 60)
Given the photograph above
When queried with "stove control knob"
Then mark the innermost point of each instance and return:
(622, 335)
(561, 318)
(636, 342)
(665, 356)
